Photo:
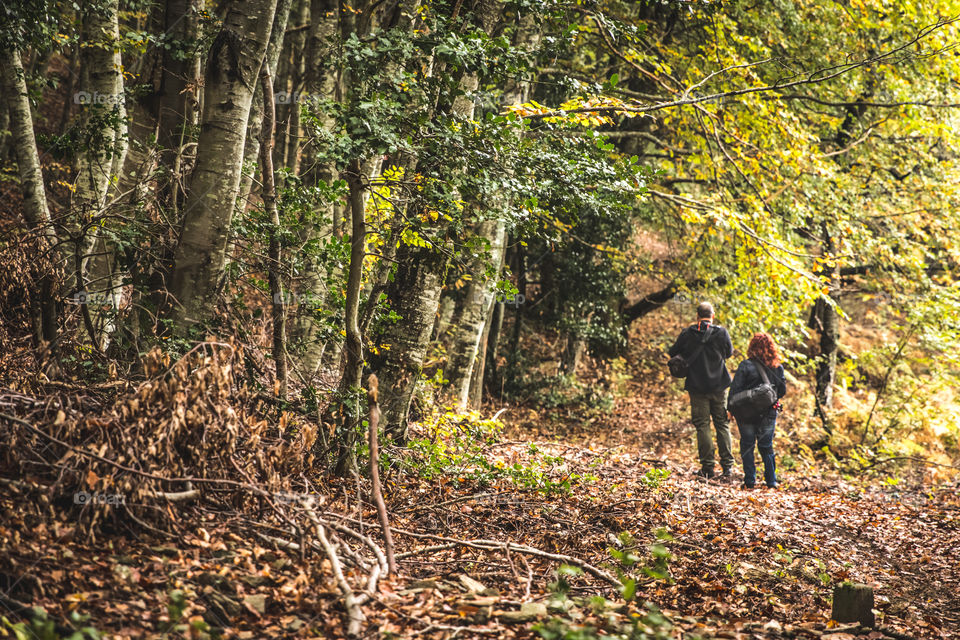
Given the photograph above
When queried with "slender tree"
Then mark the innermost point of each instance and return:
(98, 163)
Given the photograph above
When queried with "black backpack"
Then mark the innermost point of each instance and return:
(753, 403)
(680, 366)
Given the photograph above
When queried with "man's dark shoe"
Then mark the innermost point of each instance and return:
(704, 474)
(726, 477)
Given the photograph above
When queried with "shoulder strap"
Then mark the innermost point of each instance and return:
(762, 369)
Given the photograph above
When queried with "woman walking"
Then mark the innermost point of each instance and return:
(762, 366)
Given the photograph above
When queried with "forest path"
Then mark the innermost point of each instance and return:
(744, 559)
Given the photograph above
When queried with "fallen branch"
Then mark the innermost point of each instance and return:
(430, 549)
(367, 540)
(497, 545)
(354, 613)
(176, 496)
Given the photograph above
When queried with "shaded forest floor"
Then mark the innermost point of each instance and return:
(615, 493)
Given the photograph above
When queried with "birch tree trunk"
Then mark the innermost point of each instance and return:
(321, 83)
(35, 210)
(233, 65)
(104, 120)
(477, 308)
(468, 328)
(478, 373)
(415, 291)
(295, 69)
(414, 295)
(251, 150)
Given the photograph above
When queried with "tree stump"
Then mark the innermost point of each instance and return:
(853, 603)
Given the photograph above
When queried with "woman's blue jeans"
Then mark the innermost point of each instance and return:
(758, 433)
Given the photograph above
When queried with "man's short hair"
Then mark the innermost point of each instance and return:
(705, 310)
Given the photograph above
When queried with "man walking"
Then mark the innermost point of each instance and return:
(705, 346)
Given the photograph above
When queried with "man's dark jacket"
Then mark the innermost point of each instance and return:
(707, 372)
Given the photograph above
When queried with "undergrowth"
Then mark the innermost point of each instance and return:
(464, 445)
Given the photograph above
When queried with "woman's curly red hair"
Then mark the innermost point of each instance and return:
(763, 349)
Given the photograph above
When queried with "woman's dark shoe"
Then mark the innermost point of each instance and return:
(775, 486)
(748, 487)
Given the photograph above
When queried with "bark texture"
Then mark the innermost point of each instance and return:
(413, 295)
(475, 312)
(35, 210)
(233, 65)
(102, 97)
(275, 265)
(104, 120)
(255, 123)
(353, 349)
(321, 83)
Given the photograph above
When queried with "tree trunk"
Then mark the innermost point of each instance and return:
(274, 268)
(475, 392)
(321, 82)
(288, 146)
(353, 349)
(828, 326)
(416, 290)
(527, 36)
(102, 97)
(251, 150)
(73, 66)
(35, 210)
(490, 373)
(414, 295)
(162, 113)
(469, 327)
(478, 375)
(104, 119)
(826, 320)
(232, 68)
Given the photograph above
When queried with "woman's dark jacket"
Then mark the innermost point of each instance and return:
(748, 376)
